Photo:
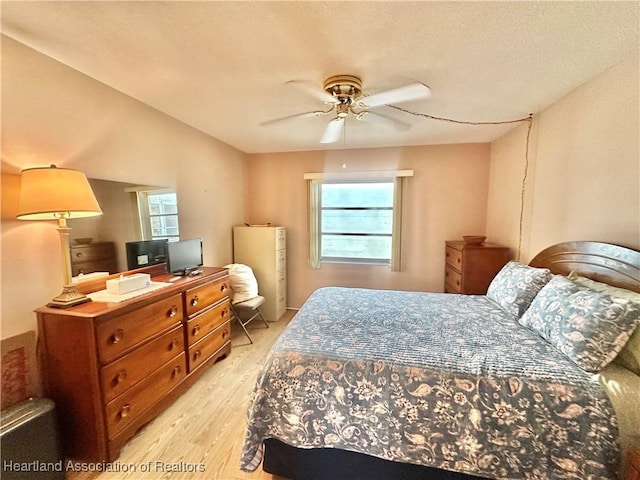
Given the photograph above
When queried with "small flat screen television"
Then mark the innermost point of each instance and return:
(184, 256)
(145, 253)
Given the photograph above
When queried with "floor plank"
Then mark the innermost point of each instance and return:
(205, 427)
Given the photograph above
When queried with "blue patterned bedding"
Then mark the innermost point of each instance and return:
(442, 380)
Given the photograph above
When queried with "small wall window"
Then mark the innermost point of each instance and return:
(356, 222)
(356, 217)
(159, 215)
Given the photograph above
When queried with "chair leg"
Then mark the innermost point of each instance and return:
(245, 331)
(241, 323)
(262, 317)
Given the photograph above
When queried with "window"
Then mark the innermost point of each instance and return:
(356, 217)
(356, 222)
(159, 215)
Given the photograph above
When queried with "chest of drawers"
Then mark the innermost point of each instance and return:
(93, 257)
(470, 268)
(264, 249)
(633, 465)
(112, 367)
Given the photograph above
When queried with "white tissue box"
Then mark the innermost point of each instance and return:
(122, 285)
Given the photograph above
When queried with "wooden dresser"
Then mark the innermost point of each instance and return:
(112, 367)
(633, 465)
(93, 257)
(264, 249)
(470, 268)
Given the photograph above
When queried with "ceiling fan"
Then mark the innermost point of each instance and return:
(344, 96)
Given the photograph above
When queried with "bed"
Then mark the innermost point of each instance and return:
(368, 384)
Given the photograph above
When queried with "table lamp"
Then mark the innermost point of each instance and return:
(52, 193)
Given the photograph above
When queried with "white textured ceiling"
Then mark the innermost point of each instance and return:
(222, 67)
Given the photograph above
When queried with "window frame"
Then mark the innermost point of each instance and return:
(145, 215)
(355, 260)
(401, 193)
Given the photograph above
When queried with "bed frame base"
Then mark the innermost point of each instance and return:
(334, 464)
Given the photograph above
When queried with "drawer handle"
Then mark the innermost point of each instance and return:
(458, 283)
(124, 411)
(196, 355)
(194, 301)
(117, 336)
(173, 344)
(224, 312)
(223, 287)
(121, 376)
(196, 330)
(176, 371)
(79, 254)
(458, 260)
(173, 311)
(225, 333)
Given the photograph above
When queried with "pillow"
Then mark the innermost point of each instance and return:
(516, 285)
(588, 327)
(629, 356)
(242, 281)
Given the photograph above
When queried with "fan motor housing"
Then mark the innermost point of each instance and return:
(347, 88)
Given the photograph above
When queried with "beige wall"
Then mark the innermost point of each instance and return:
(445, 199)
(584, 170)
(53, 114)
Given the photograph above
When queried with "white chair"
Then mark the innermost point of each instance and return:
(246, 311)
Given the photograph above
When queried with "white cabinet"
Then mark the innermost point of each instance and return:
(264, 249)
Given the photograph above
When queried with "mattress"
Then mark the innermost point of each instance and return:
(441, 380)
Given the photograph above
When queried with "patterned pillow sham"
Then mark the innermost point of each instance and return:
(588, 327)
(629, 356)
(516, 285)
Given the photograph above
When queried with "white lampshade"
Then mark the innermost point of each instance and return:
(47, 193)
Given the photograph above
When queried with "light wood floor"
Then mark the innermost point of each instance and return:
(206, 424)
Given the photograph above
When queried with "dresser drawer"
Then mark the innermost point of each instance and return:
(107, 265)
(205, 323)
(281, 238)
(453, 257)
(281, 260)
(452, 280)
(117, 335)
(137, 365)
(89, 253)
(199, 298)
(131, 404)
(201, 351)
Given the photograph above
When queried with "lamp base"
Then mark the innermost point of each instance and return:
(68, 298)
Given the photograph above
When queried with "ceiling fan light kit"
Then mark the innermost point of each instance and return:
(345, 96)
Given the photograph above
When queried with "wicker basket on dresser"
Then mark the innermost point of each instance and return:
(470, 268)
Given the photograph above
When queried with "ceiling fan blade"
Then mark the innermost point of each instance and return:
(407, 93)
(313, 90)
(332, 133)
(380, 119)
(317, 113)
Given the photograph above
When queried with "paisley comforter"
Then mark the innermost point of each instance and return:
(442, 380)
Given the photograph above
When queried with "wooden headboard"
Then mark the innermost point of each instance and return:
(604, 262)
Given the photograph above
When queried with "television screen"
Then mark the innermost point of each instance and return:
(145, 253)
(184, 256)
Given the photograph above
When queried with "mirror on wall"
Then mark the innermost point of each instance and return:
(130, 213)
